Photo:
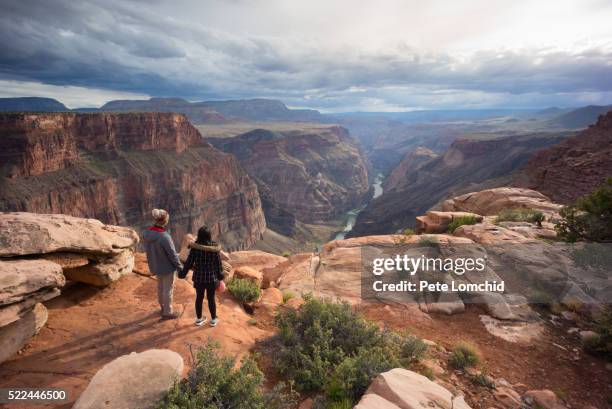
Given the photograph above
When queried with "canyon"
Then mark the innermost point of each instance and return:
(117, 167)
(424, 178)
(304, 176)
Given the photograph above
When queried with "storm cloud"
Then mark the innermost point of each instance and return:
(329, 55)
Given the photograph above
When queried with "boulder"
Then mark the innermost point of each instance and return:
(271, 299)
(21, 278)
(16, 335)
(249, 273)
(104, 270)
(507, 397)
(12, 312)
(137, 380)
(30, 233)
(371, 401)
(491, 201)
(545, 399)
(409, 390)
(437, 222)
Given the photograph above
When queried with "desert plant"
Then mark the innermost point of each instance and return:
(482, 380)
(326, 347)
(286, 253)
(215, 381)
(288, 295)
(461, 221)
(589, 218)
(244, 290)
(520, 215)
(463, 355)
(602, 343)
(408, 232)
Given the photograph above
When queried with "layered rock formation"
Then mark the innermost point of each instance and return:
(117, 167)
(302, 176)
(574, 167)
(38, 252)
(470, 164)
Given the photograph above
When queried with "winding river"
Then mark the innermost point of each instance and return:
(351, 216)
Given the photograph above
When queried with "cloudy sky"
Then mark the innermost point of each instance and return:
(333, 55)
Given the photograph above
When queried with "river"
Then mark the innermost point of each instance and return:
(351, 216)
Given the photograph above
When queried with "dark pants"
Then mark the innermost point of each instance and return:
(210, 295)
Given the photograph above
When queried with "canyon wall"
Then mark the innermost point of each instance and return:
(574, 167)
(117, 167)
(470, 164)
(303, 175)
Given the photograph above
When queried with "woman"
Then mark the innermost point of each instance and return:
(205, 260)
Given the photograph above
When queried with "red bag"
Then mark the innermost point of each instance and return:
(221, 286)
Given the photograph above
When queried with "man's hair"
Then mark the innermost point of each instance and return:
(160, 216)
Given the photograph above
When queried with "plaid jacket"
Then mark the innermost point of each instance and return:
(206, 264)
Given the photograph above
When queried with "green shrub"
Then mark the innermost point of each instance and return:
(286, 253)
(589, 218)
(601, 344)
(244, 290)
(463, 356)
(408, 232)
(327, 347)
(520, 215)
(482, 380)
(215, 382)
(461, 221)
(288, 295)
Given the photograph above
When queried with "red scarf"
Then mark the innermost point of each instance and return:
(157, 228)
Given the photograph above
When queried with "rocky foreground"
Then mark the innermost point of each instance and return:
(89, 328)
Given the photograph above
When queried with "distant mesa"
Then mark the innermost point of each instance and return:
(31, 104)
(581, 117)
(205, 112)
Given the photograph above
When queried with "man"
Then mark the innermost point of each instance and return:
(163, 260)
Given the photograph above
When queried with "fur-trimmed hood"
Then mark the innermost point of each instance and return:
(213, 248)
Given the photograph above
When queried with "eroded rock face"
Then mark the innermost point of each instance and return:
(574, 167)
(303, 176)
(408, 390)
(117, 167)
(22, 278)
(137, 380)
(16, 335)
(490, 202)
(31, 233)
(39, 251)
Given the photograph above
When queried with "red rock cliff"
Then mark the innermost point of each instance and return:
(574, 167)
(117, 167)
(305, 175)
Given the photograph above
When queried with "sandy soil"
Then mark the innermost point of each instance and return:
(89, 327)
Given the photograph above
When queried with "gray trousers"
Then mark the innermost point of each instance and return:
(165, 287)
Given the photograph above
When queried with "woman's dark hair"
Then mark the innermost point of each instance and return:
(204, 236)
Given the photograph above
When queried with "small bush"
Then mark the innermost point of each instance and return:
(463, 356)
(520, 215)
(288, 295)
(216, 382)
(589, 218)
(601, 344)
(408, 232)
(461, 221)
(326, 347)
(482, 380)
(252, 321)
(244, 290)
(286, 253)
